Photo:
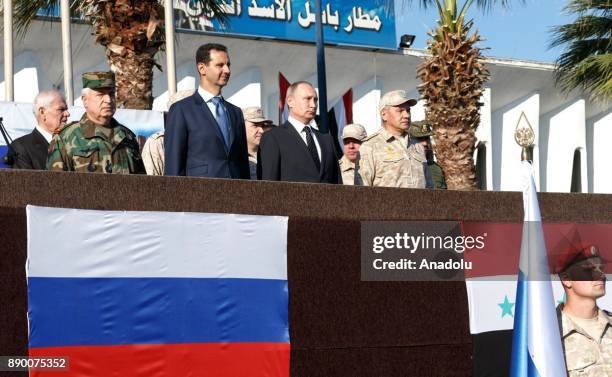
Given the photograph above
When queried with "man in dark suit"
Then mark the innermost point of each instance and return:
(205, 134)
(296, 151)
(51, 112)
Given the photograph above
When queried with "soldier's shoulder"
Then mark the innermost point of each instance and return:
(157, 135)
(70, 131)
(372, 136)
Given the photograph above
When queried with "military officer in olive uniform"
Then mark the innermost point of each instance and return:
(97, 143)
(586, 330)
(388, 158)
(420, 132)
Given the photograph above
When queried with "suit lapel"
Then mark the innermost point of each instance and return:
(208, 116)
(324, 151)
(299, 142)
(40, 146)
(231, 116)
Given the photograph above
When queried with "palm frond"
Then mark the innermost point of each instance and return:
(586, 62)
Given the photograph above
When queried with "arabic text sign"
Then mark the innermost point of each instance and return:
(360, 23)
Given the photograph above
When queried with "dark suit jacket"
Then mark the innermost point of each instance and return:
(30, 151)
(283, 156)
(194, 144)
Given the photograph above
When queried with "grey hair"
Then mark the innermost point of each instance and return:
(85, 91)
(44, 99)
(292, 88)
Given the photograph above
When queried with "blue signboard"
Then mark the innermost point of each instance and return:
(367, 23)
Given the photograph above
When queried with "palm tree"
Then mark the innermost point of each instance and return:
(453, 77)
(587, 60)
(131, 32)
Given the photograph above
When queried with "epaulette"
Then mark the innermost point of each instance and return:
(371, 136)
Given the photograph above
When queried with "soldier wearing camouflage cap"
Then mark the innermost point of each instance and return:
(97, 143)
(586, 330)
(420, 132)
(255, 124)
(387, 157)
(352, 137)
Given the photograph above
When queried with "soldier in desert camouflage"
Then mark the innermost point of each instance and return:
(97, 143)
(586, 330)
(388, 158)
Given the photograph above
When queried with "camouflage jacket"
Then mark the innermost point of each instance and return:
(84, 146)
(585, 356)
(388, 161)
(347, 168)
(437, 175)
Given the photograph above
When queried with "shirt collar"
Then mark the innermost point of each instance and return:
(570, 326)
(46, 134)
(206, 95)
(388, 136)
(346, 164)
(299, 126)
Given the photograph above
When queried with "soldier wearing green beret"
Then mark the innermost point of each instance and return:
(97, 143)
(420, 132)
(586, 330)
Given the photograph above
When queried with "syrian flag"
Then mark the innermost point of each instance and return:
(283, 111)
(339, 116)
(152, 294)
(536, 341)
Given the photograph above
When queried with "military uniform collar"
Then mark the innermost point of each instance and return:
(388, 136)
(346, 164)
(570, 326)
(91, 130)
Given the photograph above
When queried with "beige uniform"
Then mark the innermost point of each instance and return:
(347, 168)
(387, 161)
(153, 154)
(584, 355)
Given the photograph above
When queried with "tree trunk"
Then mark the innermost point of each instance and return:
(134, 79)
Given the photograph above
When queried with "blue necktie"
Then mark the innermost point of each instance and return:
(222, 120)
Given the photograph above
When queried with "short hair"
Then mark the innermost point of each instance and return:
(44, 99)
(293, 87)
(84, 91)
(203, 53)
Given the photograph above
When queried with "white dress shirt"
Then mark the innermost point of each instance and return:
(207, 97)
(299, 127)
(46, 134)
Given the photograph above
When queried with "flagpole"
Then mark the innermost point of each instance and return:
(322, 83)
(170, 58)
(9, 90)
(67, 51)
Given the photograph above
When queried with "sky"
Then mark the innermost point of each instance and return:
(521, 32)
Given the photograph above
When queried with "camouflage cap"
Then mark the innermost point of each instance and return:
(254, 114)
(354, 131)
(396, 98)
(420, 129)
(99, 80)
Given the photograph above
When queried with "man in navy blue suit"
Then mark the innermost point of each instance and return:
(205, 134)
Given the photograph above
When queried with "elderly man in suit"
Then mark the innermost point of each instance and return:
(51, 112)
(205, 134)
(296, 151)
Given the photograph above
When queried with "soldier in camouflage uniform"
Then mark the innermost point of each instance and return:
(352, 137)
(387, 157)
(586, 330)
(97, 143)
(420, 132)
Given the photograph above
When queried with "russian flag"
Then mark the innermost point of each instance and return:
(536, 340)
(283, 110)
(158, 293)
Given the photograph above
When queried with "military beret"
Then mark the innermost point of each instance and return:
(419, 129)
(575, 256)
(99, 80)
